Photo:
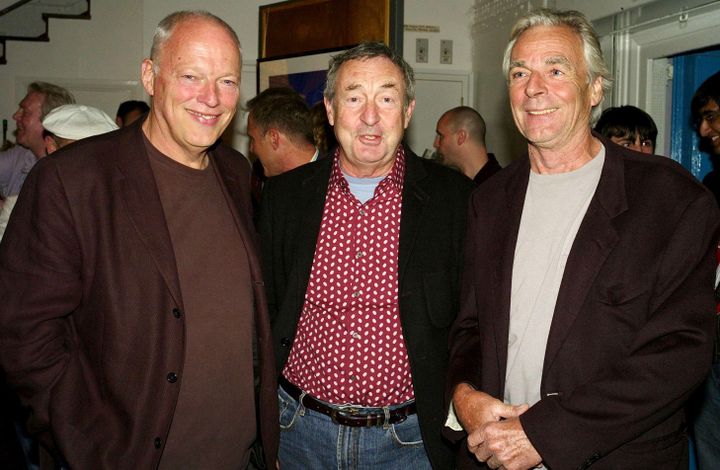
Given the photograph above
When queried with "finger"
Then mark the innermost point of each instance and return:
(493, 462)
(482, 454)
(475, 439)
(511, 411)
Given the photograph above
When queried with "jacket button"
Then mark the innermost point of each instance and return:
(286, 342)
(176, 312)
(158, 442)
(172, 377)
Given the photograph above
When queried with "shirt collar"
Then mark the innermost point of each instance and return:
(394, 178)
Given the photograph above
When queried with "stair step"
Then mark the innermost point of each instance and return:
(27, 20)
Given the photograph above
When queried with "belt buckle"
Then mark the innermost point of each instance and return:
(353, 412)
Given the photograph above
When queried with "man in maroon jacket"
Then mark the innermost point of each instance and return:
(587, 308)
(130, 282)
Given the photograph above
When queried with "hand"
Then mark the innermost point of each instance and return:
(474, 408)
(504, 444)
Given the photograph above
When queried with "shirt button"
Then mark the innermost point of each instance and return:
(157, 442)
(356, 294)
(172, 377)
(353, 377)
(360, 254)
(176, 312)
(361, 212)
(355, 335)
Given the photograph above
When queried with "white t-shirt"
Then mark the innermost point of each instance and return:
(554, 207)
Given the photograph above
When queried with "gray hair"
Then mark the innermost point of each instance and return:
(370, 50)
(167, 25)
(54, 96)
(578, 23)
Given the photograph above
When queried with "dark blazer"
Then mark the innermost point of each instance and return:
(91, 316)
(631, 335)
(432, 225)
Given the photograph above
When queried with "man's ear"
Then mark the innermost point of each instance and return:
(50, 144)
(274, 136)
(596, 91)
(147, 76)
(461, 136)
(329, 111)
(408, 114)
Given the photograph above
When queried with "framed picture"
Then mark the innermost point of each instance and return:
(304, 73)
(301, 26)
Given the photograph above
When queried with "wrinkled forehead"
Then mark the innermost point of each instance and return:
(365, 69)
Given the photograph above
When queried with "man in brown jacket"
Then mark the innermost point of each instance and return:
(130, 281)
(587, 309)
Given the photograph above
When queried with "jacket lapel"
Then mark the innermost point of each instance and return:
(137, 187)
(311, 203)
(595, 239)
(414, 199)
(505, 239)
(233, 189)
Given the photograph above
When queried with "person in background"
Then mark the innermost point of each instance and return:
(705, 112)
(62, 126)
(361, 252)
(460, 143)
(16, 162)
(322, 130)
(630, 127)
(280, 130)
(71, 122)
(132, 302)
(587, 309)
(130, 111)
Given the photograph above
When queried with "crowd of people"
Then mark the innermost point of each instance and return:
(357, 306)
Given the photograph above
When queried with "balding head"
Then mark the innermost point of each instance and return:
(460, 140)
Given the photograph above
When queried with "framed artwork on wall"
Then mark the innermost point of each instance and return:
(301, 26)
(304, 73)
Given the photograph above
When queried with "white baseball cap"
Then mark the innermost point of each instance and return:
(76, 121)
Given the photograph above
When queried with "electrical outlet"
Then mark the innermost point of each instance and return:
(446, 51)
(421, 50)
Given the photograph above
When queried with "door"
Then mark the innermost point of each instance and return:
(434, 94)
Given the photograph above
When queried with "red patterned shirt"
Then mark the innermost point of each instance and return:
(349, 347)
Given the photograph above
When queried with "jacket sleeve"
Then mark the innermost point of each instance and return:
(40, 286)
(668, 356)
(464, 337)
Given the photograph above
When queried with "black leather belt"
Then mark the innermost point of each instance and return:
(348, 415)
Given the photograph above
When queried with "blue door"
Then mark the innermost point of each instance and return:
(690, 70)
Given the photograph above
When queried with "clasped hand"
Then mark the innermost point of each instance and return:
(495, 435)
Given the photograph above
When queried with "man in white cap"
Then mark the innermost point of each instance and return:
(62, 126)
(68, 123)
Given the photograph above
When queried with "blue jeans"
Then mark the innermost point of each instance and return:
(706, 425)
(310, 440)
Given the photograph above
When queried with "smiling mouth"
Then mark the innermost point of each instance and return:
(541, 112)
(204, 117)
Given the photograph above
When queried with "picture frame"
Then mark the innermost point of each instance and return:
(304, 73)
(300, 26)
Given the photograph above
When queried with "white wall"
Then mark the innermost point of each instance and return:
(106, 51)
(101, 57)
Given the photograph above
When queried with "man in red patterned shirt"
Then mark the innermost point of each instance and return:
(361, 255)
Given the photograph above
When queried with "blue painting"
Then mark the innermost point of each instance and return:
(309, 84)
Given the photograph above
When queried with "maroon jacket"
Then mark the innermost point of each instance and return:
(632, 331)
(88, 320)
